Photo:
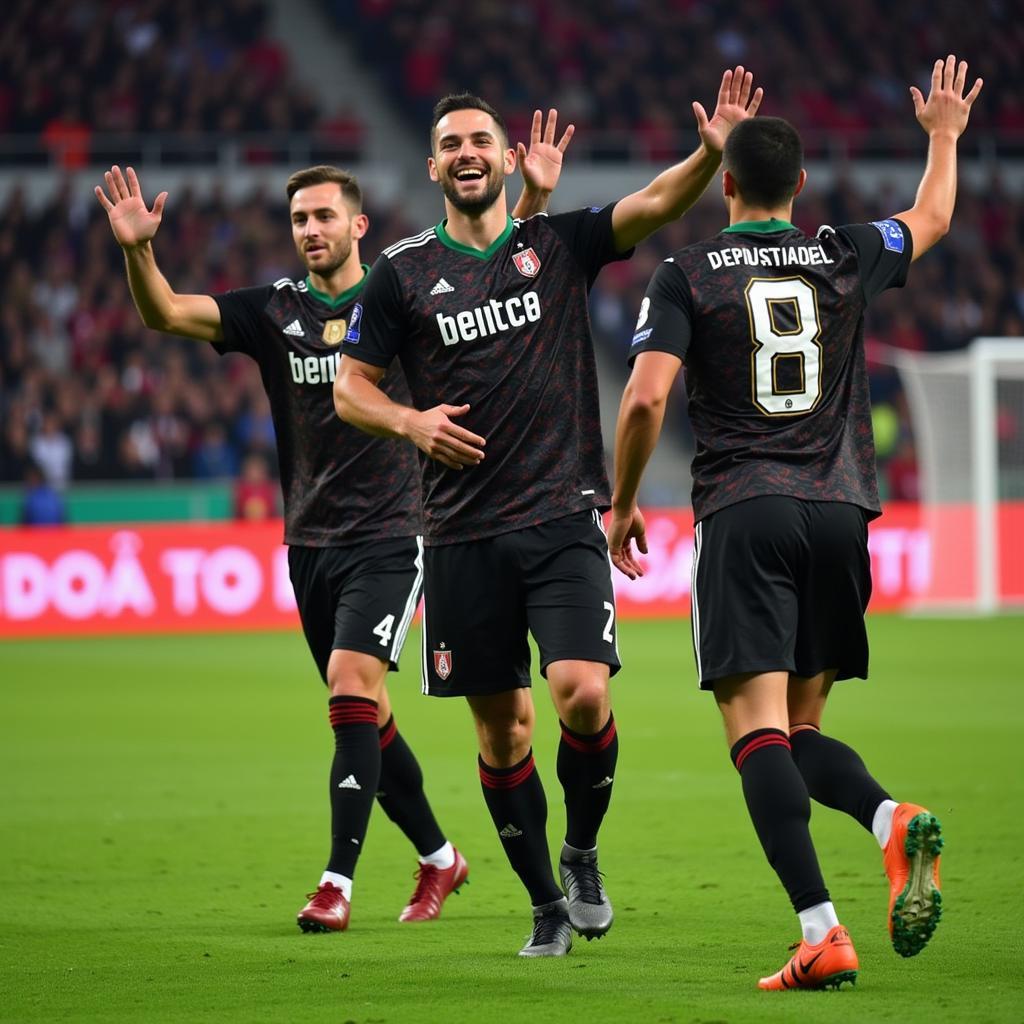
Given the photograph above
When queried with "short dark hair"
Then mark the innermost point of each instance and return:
(324, 174)
(764, 155)
(465, 101)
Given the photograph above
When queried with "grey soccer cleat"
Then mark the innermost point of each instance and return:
(552, 933)
(590, 911)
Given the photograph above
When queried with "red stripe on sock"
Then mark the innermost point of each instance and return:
(388, 733)
(352, 714)
(770, 740)
(590, 744)
(802, 727)
(494, 781)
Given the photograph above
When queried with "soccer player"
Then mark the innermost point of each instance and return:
(769, 324)
(488, 315)
(352, 503)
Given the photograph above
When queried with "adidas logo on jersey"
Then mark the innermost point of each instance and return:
(349, 782)
(510, 831)
(441, 288)
(294, 330)
(496, 316)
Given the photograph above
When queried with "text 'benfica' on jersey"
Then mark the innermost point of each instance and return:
(506, 331)
(769, 323)
(341, 486)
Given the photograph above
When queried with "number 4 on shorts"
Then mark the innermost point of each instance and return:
(384, 629)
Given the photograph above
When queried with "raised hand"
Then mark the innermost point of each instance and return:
(947, 108)
(735, 104)
(541, 165)
(132, 223)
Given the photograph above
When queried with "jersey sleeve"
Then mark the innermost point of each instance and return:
(884, 250)
(377, 324)
(241, 316)
(665, 320)
(588, 234)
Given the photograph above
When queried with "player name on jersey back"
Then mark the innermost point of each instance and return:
(769, 256)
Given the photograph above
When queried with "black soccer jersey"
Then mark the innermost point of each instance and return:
(769, 323)
(508, 332)
(341, 486)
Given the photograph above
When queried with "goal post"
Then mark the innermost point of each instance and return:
(967, 415)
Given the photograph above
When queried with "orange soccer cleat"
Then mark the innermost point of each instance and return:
(326, 911)
(433, 886)
(825, 965)
(912, 864)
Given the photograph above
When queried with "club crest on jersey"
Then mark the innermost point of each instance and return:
(443, 663)
(527, 262)
(334, 331)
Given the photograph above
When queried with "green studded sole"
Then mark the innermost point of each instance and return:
(918, 908)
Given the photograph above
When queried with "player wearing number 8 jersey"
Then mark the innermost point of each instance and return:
(769, 324)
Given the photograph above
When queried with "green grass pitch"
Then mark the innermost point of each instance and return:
(163, 811)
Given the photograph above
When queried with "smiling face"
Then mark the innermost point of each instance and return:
(324, 228)
(471, 158)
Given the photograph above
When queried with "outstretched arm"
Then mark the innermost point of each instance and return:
(674, 191)
(359, 400)
(541, 165)
(194, 316)
(641, 415)
(944, 117)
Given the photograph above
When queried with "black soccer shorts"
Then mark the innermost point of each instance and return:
(781, 584)
(358, 598)
(480, 598)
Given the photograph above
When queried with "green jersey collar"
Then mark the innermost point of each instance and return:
(346, 296)
(442, 233)
(758, 227)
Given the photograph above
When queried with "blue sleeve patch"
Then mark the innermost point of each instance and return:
(892, 234)
(352, 334)
(642, 336)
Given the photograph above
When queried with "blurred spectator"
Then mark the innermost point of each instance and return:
(214, 457)
(52, 451)
(42, 504)
(255, 493)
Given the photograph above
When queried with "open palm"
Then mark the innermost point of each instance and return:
(130, 220)
(541, 165)
(735, 104)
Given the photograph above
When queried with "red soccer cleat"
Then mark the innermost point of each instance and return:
(432, 888)
(825, 965)
(326, 911)
(912, 864)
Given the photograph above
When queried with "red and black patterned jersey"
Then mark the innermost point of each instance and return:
(769, 323)
(508, 332)
(341, 486)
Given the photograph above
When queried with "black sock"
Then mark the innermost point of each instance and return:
(519, 809)
(400, 792)
(780, 809)
(586, 768)
(355, 773)
(835, 774)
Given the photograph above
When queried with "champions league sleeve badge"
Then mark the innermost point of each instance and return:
(334, 331)
(892, 234)
(527, 262)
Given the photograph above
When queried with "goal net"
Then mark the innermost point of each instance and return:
(967, 414)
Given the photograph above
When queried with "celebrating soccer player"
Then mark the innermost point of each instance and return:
(488, 316)
(352, 503)
(769, 324)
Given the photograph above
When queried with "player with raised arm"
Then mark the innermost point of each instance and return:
(769, 324)
(352, 503)
(488, 316)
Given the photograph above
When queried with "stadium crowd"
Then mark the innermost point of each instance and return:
(87, 393)
(183, 74)
(623, 71)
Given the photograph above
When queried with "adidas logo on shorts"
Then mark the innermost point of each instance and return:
(510, 831)
(349, 782)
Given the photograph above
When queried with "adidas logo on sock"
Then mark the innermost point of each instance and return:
(606, 781)
(294, 329)
(441, 288)
(349, 782)
(510, 831)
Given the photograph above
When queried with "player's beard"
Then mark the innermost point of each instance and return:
(483, 202)
(337, 259)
